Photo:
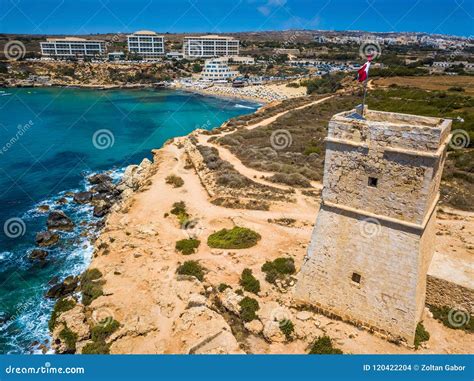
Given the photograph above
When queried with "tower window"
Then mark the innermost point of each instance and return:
(373, 182)
(356, 277)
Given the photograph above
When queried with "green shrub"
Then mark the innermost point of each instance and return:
(90, 292)
(248, 307)
(62, 305)
(104, 329)
(278, 269)
(443, 314)
(91, 286)
(287, 327)
(96, 348)
(69, 338)
(249, 282)
(323, 346)
(457, 88)
(421, 334)
(174, 180)
(235, 238)
(179, 210)
(91, 275)
(187, 246)
(222, 287)
(192, 268)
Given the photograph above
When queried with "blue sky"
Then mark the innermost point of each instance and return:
(100, 16)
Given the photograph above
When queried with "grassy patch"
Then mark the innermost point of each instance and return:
(175, 181)
(421, 335)
(91, 286)
(187, 246)
(222, 287)
(278, 269)
(323, 346)
(192, 268)
(69, 338)
(96, 348)
(249, 282)
(62, 305)
(104, 329)
(179, 210)
(287, 328)
(235, 238)
(452, 318)
(248, 308)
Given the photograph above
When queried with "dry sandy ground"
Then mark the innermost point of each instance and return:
(143, 292)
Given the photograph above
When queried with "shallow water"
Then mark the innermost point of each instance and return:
(50, 139)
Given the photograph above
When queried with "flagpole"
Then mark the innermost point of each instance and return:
(365, 93)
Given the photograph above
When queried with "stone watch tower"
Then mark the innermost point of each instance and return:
(374, 234)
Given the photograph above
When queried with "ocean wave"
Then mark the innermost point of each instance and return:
(238, 105)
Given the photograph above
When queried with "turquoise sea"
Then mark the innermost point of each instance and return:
(50, 140)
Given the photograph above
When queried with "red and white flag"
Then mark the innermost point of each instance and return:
(363, 72)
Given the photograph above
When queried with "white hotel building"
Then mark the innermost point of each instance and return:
(146, 44)
(216, 69)
(72, 47)
(210, 46)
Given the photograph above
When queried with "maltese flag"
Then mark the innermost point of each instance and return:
(363, 72)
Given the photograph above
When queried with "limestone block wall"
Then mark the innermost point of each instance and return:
(387, 296)
(405, 131)
(403, 182)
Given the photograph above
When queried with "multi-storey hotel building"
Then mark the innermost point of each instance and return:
(216, 69)
(210, 46)
(72, 47)
(146, 44)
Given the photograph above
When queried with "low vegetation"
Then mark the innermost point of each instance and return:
(280, 268)
(62, 305)
(104, 329)
(248, 309)
(99, 334)
(248, 282)
(187, 246)
(96, 348)
(175, 181)
(323, 346)
(179, 210)
(69, 338)
(91, 286)
(287, 328)
(328, 83)
(222, 287)
(452, 318)
(192, 268)
(235, 238)
(421, 335)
